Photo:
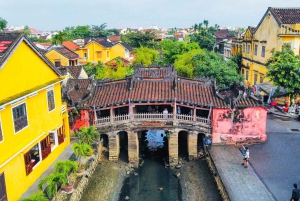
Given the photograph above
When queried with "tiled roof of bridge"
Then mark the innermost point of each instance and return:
(154, 90)
(248, 102)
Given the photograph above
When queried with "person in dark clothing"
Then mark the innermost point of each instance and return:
(295, 193)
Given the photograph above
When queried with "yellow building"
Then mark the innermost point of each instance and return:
(277, 27)
(62, 56)
(100, 50)
(34, 128)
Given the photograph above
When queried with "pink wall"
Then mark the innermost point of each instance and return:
(240, 125)
(80, 120)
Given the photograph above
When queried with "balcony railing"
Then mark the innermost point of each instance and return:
(150, 117)
(63, 109)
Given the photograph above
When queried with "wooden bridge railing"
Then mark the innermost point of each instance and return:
(150, 117)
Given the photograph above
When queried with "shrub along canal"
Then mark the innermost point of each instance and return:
(154, 180)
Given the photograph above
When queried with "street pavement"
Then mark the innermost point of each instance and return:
(240, 183)
(276, 162)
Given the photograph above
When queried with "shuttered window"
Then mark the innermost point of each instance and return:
(28, 164)
(50, 97)
(20, 117)
(61, 134)
(46, 147)
(3, 196)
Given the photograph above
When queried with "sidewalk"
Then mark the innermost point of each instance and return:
(65, 155)
(241, 183)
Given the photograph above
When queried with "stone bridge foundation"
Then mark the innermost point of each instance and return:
(133, 148)
(192, 141)
(173, 148)
(114, 146)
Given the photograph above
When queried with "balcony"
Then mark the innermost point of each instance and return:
(156, 120)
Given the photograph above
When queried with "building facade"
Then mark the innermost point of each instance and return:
(277, 27)
(34, 126)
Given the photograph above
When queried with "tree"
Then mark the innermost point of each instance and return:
(203, 63)
(88, 135)
(140, 39)
(3, 24)
(59, 38)
(39, 196)
(170, 50)
(26, 30)
(92, 69)
(237, 59)
(209, 64)
(184, 64)
(81, 151)
(53, 182)
(145, 56)
(99, 31)
(204, 36)
(66, 167)
(284, 70)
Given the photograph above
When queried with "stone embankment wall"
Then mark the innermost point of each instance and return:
(78, 192)
(217, 177)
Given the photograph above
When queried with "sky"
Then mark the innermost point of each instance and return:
(57, 14)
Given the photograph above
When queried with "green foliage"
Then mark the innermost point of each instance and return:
(53, 182)
(204, 36)
(203, 63)
(26, 30)
(284, 69)
(170, 50)
(39, 196)
(92, 69)
(66, 167)
(140, 39)
(3, 24)
(81, 150)
(88, 135)
(98, 31)
(237, 59)
(185, 65)
(59, 38)
(145, 56)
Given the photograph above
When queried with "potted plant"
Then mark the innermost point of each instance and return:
(67, 168)
(88, 135)
(39, 196)
(53, 182)
(81, 150)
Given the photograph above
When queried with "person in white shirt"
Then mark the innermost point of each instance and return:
(246, 157)
(165, 112)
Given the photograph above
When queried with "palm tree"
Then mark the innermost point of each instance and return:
(39, 196)
(81, 150)
(59, 38)
(53, 182)
(88, 135)
(66, 167)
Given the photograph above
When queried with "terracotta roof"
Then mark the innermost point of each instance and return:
(248, 102)
(223, 34)
(48, 44)
(70, 45)
(78, 90)
(287, 15)
(74, 71)
(188, 91)
(66, 52)
(114, 38)
(81, 83)
(9, 41)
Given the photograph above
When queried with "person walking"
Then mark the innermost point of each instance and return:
(298, 114)
(295, 193)
(246, 157)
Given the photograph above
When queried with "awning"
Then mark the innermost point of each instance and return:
(267, 86)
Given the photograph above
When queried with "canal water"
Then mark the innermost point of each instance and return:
(155, 181)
